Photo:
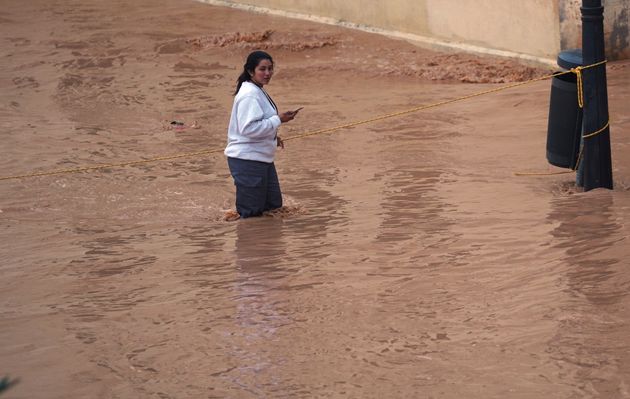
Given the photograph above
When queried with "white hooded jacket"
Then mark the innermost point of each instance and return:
(252, 132)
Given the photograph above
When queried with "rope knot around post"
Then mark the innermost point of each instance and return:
(580, 88)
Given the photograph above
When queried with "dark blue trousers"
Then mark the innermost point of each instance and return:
(257, 186)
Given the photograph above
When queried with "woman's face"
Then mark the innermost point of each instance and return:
(262, 72)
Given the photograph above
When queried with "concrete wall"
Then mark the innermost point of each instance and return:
(617, 29)
(532, 29)
(616, 23)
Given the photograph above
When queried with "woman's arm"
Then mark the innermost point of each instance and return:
(251, 120)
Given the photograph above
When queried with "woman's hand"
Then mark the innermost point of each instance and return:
(280, 142)
(289, 115)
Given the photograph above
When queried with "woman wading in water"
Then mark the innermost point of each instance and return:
(253, 140)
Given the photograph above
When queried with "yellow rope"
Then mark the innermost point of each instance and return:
(542, 173)
(580, 97)
(111, 165)
(580, 83)
(577, 164)
(580, 88)
(588, 136)
(577, 71)
(579, 159)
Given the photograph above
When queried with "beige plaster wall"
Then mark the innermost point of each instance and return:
(529, 27)
(397, 15)
(533, 29)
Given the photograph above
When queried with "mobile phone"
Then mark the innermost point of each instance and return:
(296, 111)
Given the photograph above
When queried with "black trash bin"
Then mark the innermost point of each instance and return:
(565, 116)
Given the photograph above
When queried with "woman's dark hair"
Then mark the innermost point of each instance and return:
(253, 59)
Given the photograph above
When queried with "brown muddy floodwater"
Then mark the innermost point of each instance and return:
(410, 261)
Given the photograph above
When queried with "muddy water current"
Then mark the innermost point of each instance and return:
(409, 261)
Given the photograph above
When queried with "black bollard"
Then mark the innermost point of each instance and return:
(596, 153)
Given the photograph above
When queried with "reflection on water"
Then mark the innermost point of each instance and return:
(591, 231)
(592, 333)
(402, 275)
(258, 252)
